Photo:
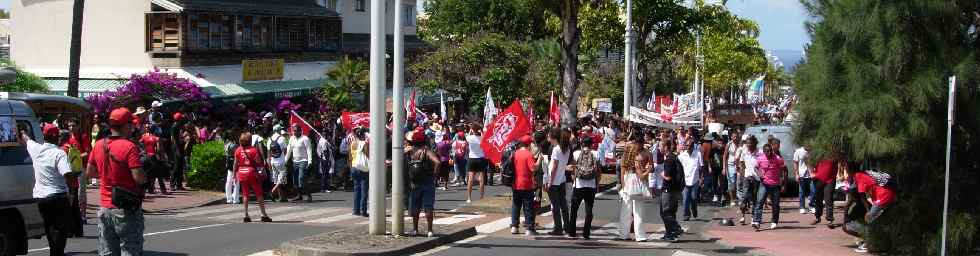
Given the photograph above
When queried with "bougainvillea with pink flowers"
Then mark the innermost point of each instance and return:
(142, 89)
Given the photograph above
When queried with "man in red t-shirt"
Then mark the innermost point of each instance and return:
(115, 161)
(824, 183)
(879, 197)
(523, 194)
(154, 158)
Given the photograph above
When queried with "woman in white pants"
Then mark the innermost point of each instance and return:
(636, 164)
(231, 181)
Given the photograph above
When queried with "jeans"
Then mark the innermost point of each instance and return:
(691, 197)
(578, 196)
(360, 191)
(711, 184)
(823, 197)
(732, 180)
(668, 213)
(559, 207)
(231, 188)
(120, 232)
(806, 188)
(747, 193)
(522, 200)
(299, 177)
(57, 221)
(772, 193)
(325, 174)
(177, 177)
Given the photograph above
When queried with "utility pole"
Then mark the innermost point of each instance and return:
(949, 140)
(75, 50)
(628, 77)
(376, 190)
(398, 135)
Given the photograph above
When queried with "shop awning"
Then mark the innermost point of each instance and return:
(278, 7)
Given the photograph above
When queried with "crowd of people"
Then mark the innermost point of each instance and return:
(129, 154)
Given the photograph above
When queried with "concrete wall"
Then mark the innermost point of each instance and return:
(112, 37)
(356, 22)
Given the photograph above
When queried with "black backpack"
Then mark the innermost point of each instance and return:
(507, 166)
(417, 171)
(585, 165)
(275, 150)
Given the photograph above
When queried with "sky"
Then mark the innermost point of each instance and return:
(780, 22)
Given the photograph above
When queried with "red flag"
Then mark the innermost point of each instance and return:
(506, 127)
(530, 114)
(554, 114)
(295, 119)
(350, 120)
(410, 109)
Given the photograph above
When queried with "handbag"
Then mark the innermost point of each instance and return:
(360, 159)
(121, 197)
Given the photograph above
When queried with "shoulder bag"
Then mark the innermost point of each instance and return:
(121, 197)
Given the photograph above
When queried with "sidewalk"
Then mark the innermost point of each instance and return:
(794, 236)
(159, 202)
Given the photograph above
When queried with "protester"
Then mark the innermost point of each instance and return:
(671, 196)
(422, 164)
(690, 159)
(444, 151)
(83, 144)
(732, 150)
(154, 160)
(324, 150)
(76, 182)
(771, 167)
(359, 171)
(459, 154)
(249, 165)
(523, 189)
(300, 151)
(718, 184)
(585, 166)
(116, 162)
(232, 185)
(179, 154)
(636, 163)
(824, 186)
(276, 145)
(554, 179)
(50, 189)
(801, 160)
(881, 194)
(477, 163)
(748, 163)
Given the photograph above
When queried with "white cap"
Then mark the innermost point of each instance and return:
(745, 136)
(268, 115)
(156, 104)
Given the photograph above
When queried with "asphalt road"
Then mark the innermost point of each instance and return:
(217, 230)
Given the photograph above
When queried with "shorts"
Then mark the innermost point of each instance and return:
(423, 197)
(476, 164)
(279, 176)
(444, 168)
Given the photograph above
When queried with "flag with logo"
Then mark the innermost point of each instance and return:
(554, 112)
(489, 110)
(351, 120)
(509, 125)
(295, 119)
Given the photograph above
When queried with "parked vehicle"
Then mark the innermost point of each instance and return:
(738, 114)
(787, 146)
(19, 214)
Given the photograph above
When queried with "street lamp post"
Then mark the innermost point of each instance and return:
(398, 116)
(376, 198)
(628, 73)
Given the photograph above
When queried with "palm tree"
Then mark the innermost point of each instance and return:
(348, 74)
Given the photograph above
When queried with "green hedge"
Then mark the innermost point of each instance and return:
(207, 166)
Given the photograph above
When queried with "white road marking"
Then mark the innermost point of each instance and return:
(307, 214)
(445, 247)
(152, 234)
(683, 253)
(253, 210)
(408, 219)
(494, 226)
(264, 253)
(208, 211)
(456, 219)
(334, 219)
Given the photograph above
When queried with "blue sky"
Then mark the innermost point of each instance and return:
(780, 22)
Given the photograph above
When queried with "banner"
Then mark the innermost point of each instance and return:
(262, 70)
(411, 108)
(442, 109)
(506, 127)
(489, 110)
(351, 120)
(295, 119)
(554, 113)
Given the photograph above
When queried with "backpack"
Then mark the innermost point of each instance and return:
(883, 179)
(585, 165)
(417, 171)
(275, 149)
(507, 165)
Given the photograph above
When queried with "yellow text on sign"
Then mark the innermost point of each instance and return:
(262, 70)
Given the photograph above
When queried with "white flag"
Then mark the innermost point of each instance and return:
(489, 110)
(442, 109)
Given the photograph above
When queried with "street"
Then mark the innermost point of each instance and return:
(217, 230)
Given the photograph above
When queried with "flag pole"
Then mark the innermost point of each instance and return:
(376, 190)
(398, 136)
(301, 119)
(949, 137)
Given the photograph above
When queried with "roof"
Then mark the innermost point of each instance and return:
(273, 7)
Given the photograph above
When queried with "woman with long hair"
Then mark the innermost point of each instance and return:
(476, 163)
(248, 163)
(636, 164)
(554, 178)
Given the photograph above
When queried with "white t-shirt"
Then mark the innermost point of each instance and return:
(473, 141)
(281, 160)
(690, 162)
(562, 162)
(50, 167)
(732, 151)
(300, 149)
(801, 156)
(580, 183)
(654, 178)
(751, 166)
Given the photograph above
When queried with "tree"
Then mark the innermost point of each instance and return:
(571, 38)
(454, 20)
(731, 50)
(875, 88)
(348, 74)
(25, 82)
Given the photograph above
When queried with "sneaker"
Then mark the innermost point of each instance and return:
(732, 204)
(266, 219)
(802, 211)
(714, 199)
(430, 234)
(641, 240)
(247, 220)
(570, 236)
(670, 239)
(813, 210)
(530, 233)
(772, 226)
(555, 233)
(862, 249)
(742, 221)
(443, 188)
(513, 231)
(468, 201)
(755, 225)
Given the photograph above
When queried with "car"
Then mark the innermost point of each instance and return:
(18, 209)
(787, 146)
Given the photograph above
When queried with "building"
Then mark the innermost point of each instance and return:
(234, 49)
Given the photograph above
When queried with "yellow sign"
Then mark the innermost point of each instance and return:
(262, 70)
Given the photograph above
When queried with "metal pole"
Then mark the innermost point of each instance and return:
(628, 74)
(398, 140)
(75, 50)
(377, 186)
(949, 137)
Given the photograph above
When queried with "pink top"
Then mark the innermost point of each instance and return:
(770, 168)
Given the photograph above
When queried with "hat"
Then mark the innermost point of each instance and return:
(50, 130)
(140, 111)
(178, 116)
(121, 116)
(267, 115)
(526, 139)
(418, 137)
(460, 134)
(156, 104)
(435, 127)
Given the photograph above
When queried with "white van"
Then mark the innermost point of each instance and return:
(20, 218)
(787, 146)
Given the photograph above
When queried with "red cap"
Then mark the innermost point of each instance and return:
(120, 116)
(178, 116)
(418, 137)
(50, 131)
(526, 139)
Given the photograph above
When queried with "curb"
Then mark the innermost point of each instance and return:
(506, 209)
(291, 249)
(215, 201)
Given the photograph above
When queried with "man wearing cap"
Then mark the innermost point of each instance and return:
(116, 162)
(276, 146)
(177, 142)
(50, 166)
